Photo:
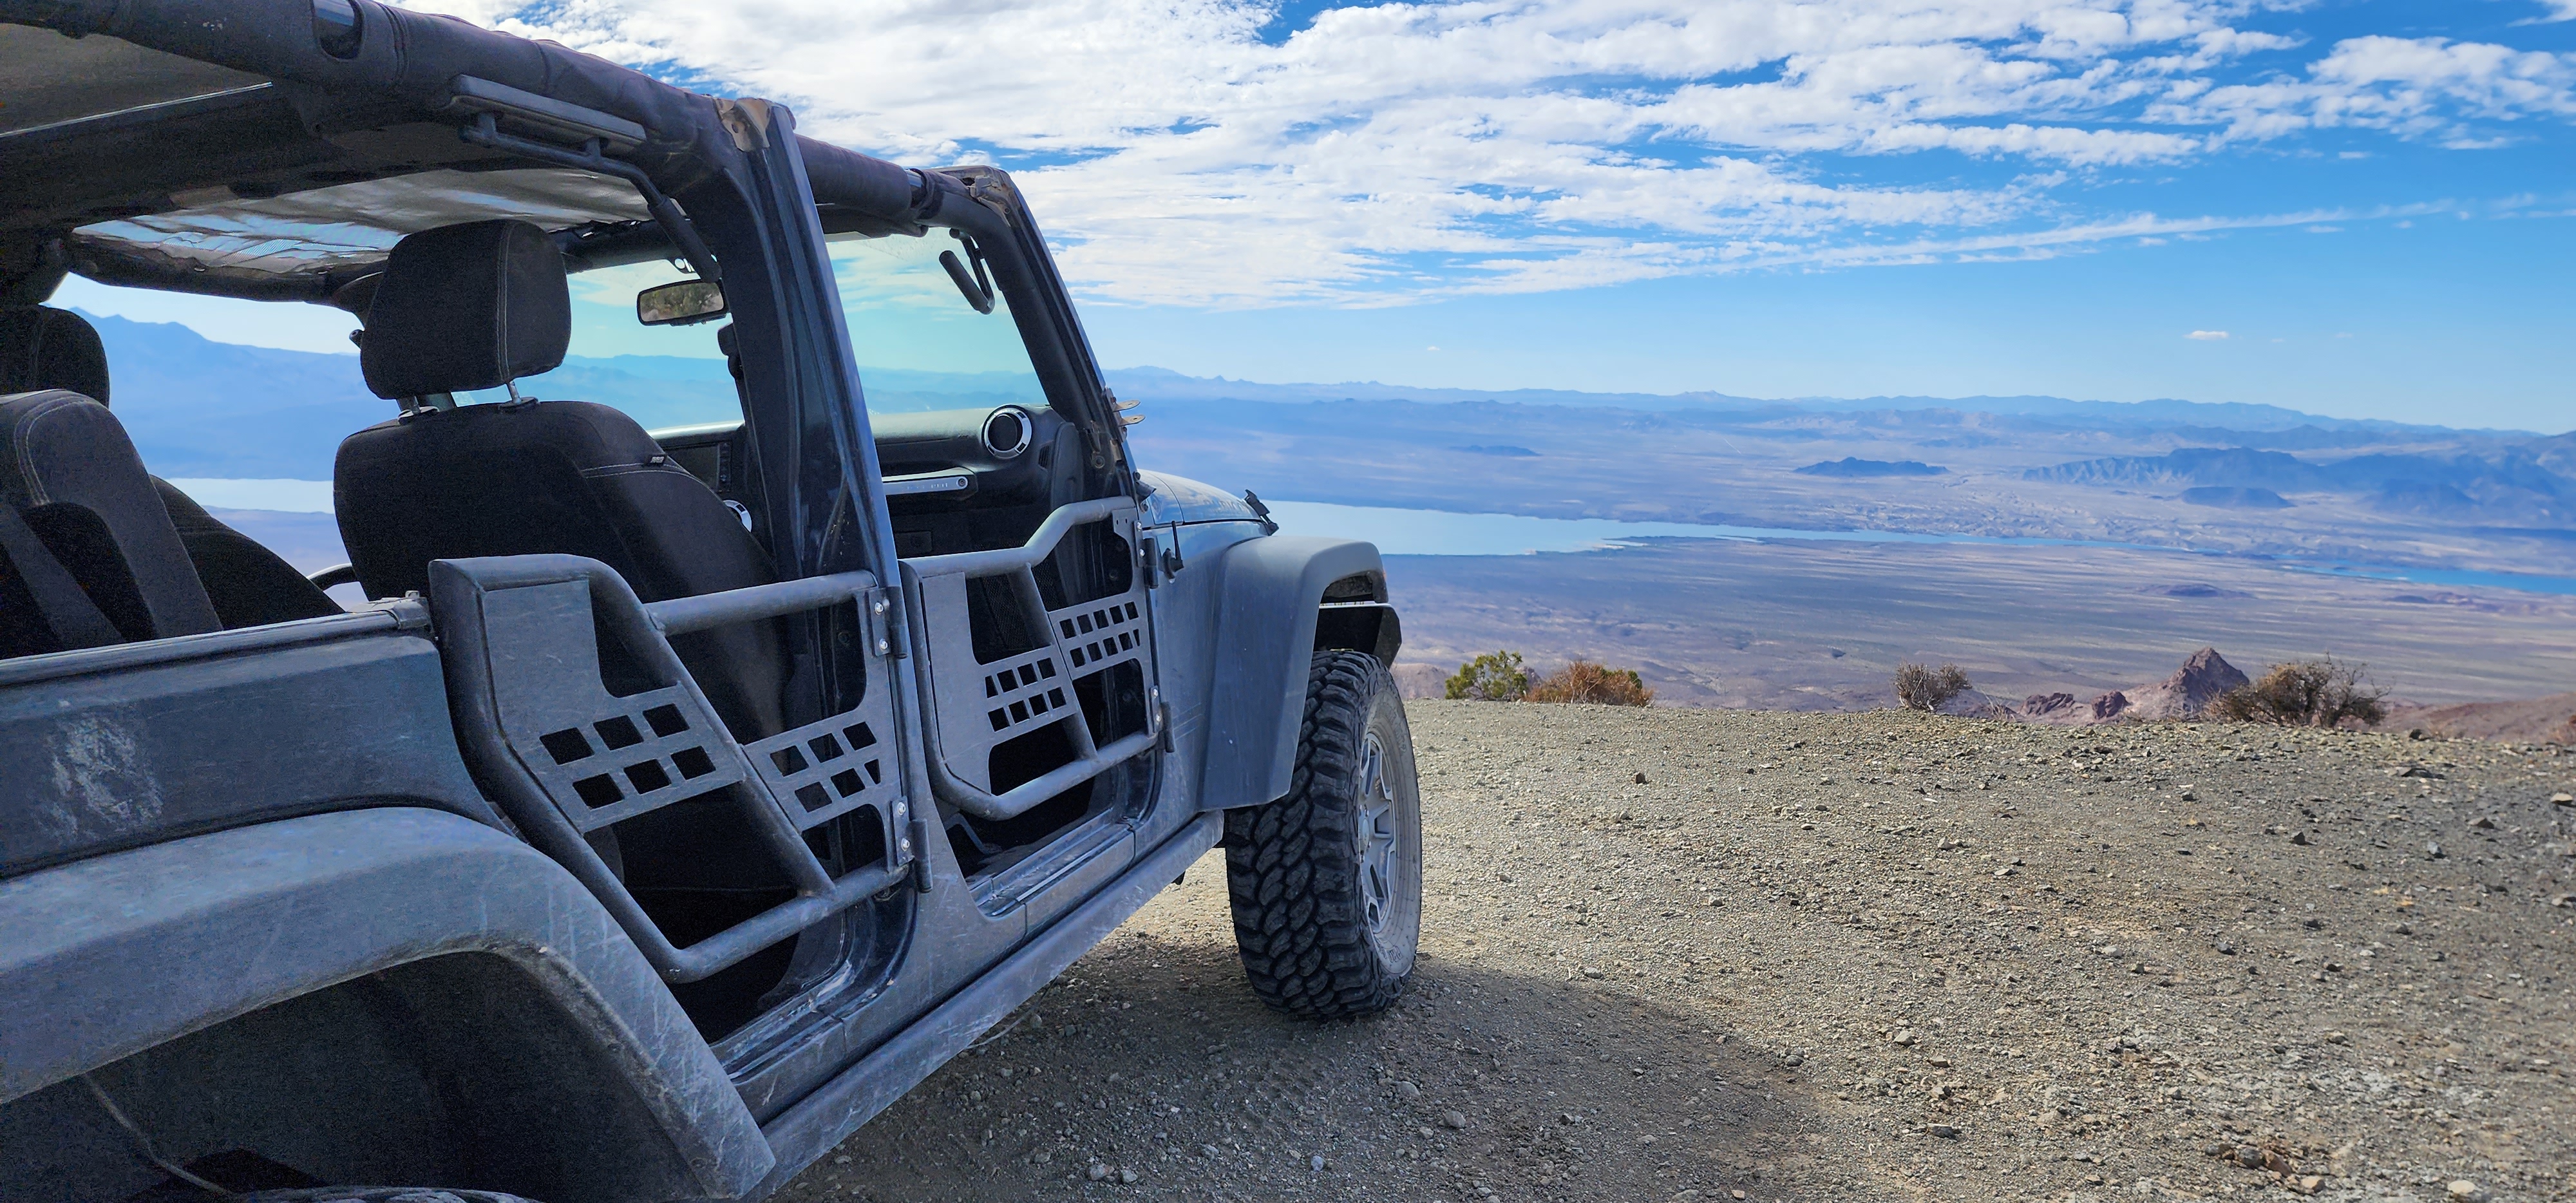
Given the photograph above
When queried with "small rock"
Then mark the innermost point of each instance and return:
(2433, 850)
(1316, 1163)
(1590, 972)
(1097, 1172)
(2466, 1191)
(2563, 799)
(1127, 1177)
(1641, 779)
(1453, 1119)
(2249, 1157)
(2226, 949)
(2308, 1184)
(1902, 1037)
(1406, 1090)
(2108, 950)
(2301, 839)
(2482, 823)
(1944, 1131)
(1208, 1151)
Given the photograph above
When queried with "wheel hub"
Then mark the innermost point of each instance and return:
(1376, 836)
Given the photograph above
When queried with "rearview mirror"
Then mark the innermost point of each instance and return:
(680, 303)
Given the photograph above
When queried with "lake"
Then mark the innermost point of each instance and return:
(1411, 532)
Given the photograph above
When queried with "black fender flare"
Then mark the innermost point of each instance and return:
(118, 954)
(1268, 602)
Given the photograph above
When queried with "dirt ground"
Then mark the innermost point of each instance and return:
(1855, 956)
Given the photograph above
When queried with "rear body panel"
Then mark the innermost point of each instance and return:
(115, 747)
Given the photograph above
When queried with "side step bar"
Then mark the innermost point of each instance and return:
(824, 1118)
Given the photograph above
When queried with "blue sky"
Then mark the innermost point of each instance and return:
(2372, 203)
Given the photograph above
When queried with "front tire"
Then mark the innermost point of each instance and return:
(1327, 882)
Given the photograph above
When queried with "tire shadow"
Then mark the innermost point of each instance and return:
(1150, 1058)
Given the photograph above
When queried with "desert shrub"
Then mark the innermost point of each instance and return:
(1585, 681)
(1922, 688)
(1496, 677)
(2305, 693)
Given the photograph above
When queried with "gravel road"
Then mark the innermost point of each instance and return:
(1714, 955)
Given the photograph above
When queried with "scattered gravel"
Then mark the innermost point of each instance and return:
(1842, 957)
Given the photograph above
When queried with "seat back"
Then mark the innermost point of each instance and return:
(69, 472)
(45, 348)
(563, 477)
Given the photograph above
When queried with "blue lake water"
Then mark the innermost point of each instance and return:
(1410, 532)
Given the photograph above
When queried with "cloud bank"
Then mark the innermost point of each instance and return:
(1202, 152)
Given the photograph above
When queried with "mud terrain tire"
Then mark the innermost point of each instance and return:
(1327, 882)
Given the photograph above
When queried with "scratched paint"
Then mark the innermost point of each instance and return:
(101, 778)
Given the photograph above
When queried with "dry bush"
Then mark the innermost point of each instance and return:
(2305, 693)
(1497, 677)
(1585, 681)
(1922, 688)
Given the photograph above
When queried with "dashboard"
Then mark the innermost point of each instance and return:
(940, 467)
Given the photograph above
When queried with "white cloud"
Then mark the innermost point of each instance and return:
(2414, 87)
(1386, 153)
(2207, 336)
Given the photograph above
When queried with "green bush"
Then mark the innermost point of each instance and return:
(1496, 677)
(2305, 693)
(1584, 681)
(1922, 688)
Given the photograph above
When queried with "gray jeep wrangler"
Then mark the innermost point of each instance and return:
(657, 807)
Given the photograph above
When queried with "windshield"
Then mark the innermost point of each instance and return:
(920, 344)
(661, 376)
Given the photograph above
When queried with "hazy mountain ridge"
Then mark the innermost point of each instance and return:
(1150, 383)
(2018, 466)
(2514, 482)
(200, 408)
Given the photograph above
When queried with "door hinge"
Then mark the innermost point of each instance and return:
(877, 612)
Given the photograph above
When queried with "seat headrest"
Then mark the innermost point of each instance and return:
(46, 348)
(466, 307)
(68, 469)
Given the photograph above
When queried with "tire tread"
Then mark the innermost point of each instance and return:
(1299, 919)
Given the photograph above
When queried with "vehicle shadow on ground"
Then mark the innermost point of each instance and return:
(1152, 1057)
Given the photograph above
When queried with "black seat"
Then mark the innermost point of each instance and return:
(47, 348)
(87, 554)
(474, 307)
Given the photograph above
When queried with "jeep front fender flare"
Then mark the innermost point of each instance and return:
(117, 954)
(1271, 591)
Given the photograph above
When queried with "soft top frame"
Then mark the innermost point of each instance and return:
(390, 106)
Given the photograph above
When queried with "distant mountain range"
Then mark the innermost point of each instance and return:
(2531, 480)
(1152, 384)
(199, 408)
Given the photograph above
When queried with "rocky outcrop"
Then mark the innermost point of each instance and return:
(1416, 681)
(2050, 706)
(2541, 720)
(2184, 695)
(2187, 693)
